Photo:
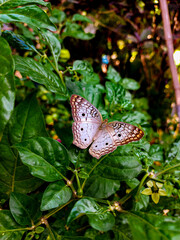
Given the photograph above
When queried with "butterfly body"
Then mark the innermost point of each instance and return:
(89, 127)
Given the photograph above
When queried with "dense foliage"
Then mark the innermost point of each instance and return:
(114, 55)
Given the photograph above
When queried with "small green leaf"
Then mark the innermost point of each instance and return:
(75, 30)
(46, 158)
(53, 43)
(57, 16)
(79, 17)
(9, 229)
(55, 195)
(23, 208)
(113, 75)
(82, 66)
(40, 74)
(32, 15)
(114, 92)
(130, 84)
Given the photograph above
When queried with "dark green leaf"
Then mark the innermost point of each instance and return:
(18, 41)
(113, 75)
(57, 16)
(26, 121)
(114, 92)
(17, 3)
(152, 226)
(79, 17)
(7, 89)
(83, 206)
(130, 84)
(40, 74)
(102, 222)
(46, 158)
(75, 30)
(23, 208)
(122, 164)
(55, 195)
(32, 15)
(156, 152)
(9, 229)
(100, 187)
(65, 134)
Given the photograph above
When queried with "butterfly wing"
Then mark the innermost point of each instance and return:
(113, 135)
(87, 120)
(125, 133)
(103, 144)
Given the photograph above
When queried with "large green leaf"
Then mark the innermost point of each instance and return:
(17, 3)
(23, 208)
(152, 226)
(99, 218)
(7, 89)
(9, 229)
(32, 15)
(40, 74)
(26, 122)
(120, 165)
(129, 83)
(100, 187)
(55, 195)
(46, 158)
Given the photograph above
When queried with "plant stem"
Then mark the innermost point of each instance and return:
(93, 169)
(143, 180)
(168, 169)
(80, 190)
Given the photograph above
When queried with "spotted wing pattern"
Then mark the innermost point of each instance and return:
(87, 120)
(113, 135)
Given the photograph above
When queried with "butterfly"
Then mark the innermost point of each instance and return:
(89, 128)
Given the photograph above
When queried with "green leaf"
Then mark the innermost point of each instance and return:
(57, 16)
(27, 121)
(83, 206)
(9, 229)
(53, 43)
(16, 3)
(113, 75)
(40, 74)
(32, 15)
(130, 84)
(79, 17)
(82, 66)
(156, 152)
(93, 93)
(152, 226)
(7, 89)
(18, 41)
(55, 195)
(100, 187)
(98, 217)
(23, 208)
(122, 164)
(75, 30)
(102, 222)
(114, 92)
(46, 158)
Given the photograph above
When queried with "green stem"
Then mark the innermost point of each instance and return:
(143, 180)
(93, 170)
(80, 190)
(50, 231)
(168, 169)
